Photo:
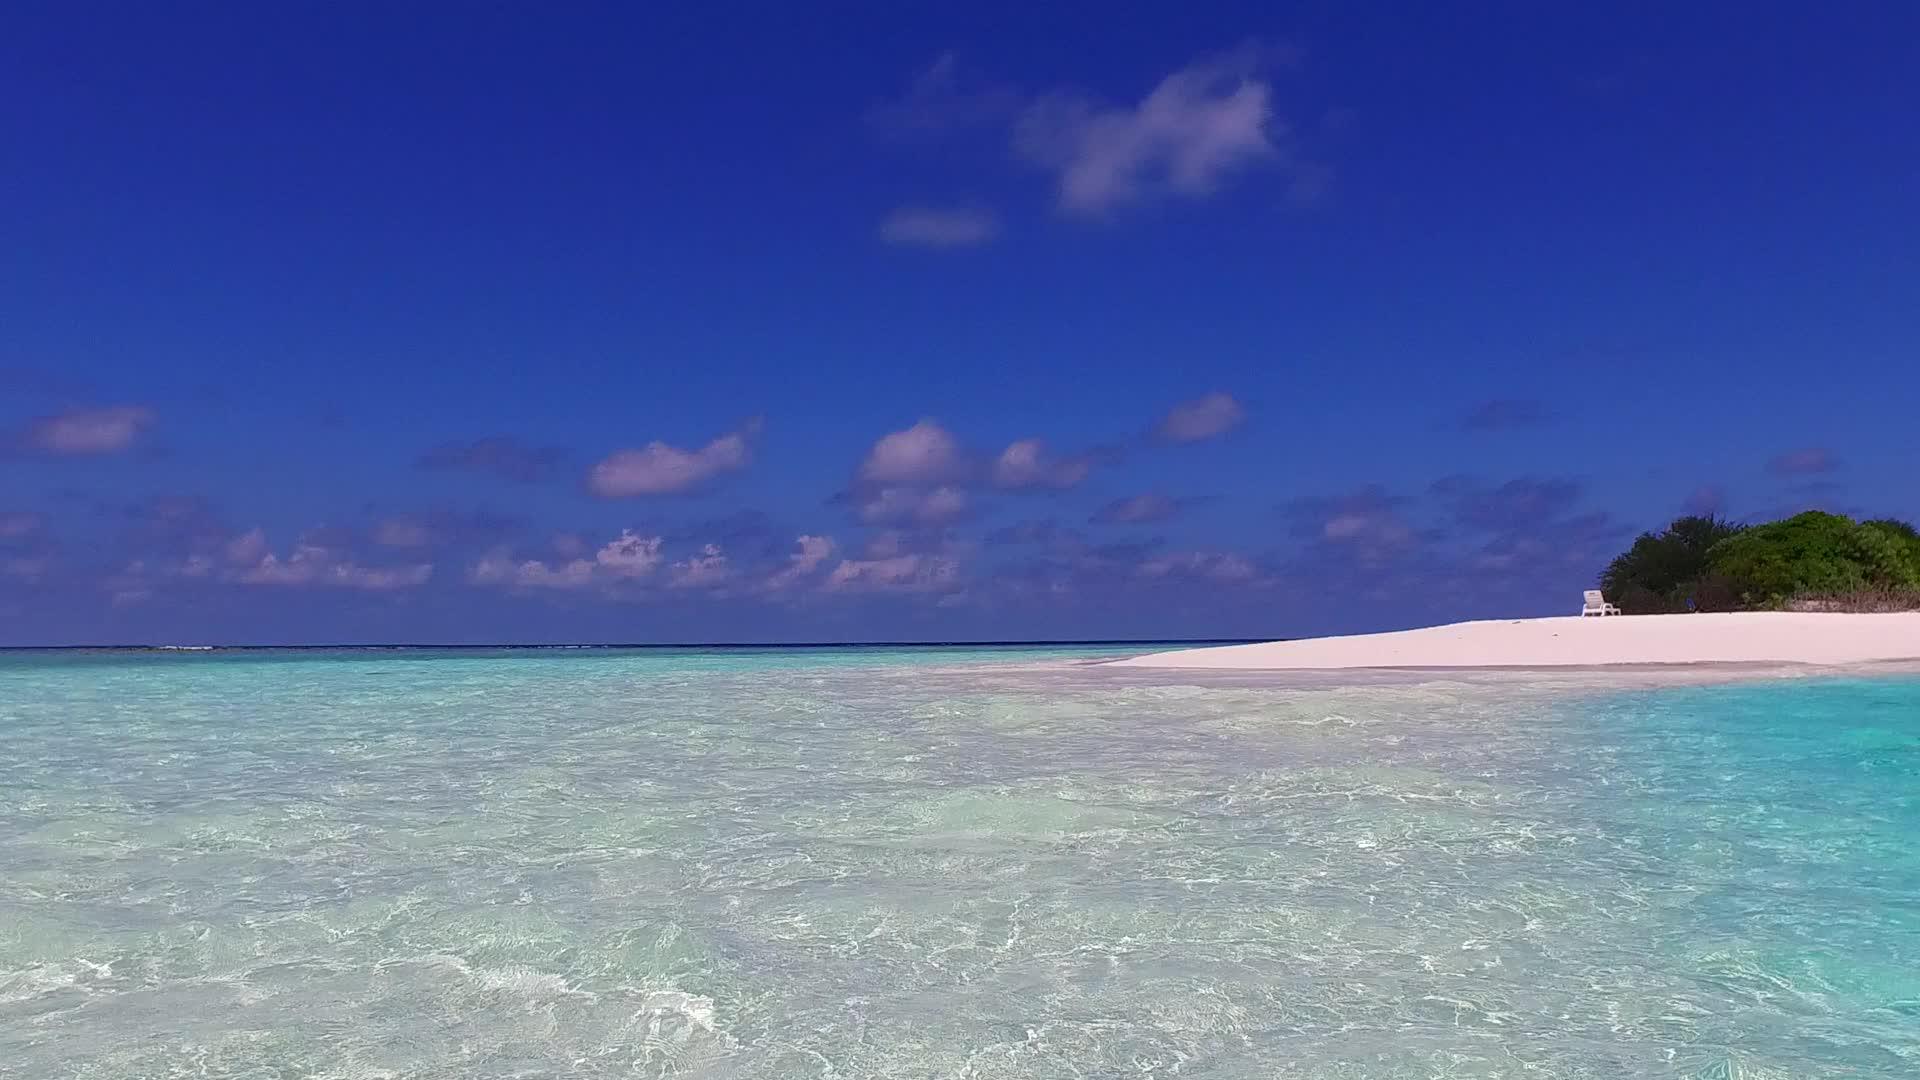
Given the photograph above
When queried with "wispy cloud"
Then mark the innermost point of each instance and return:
(1196, 129)
(911, 506)
(1137, 510)
(912, 572)
(1207, 417)
(308, 564)
(628, 557)
(89, 432)
(500, 455)
(706, 569)
(1026, 465)
(661, 469)
(634, 565)
(945, 96)
(810, 554)
(1368, 523)
(531, 573)
(940, 228)
(1220, 567)
(1807, 461)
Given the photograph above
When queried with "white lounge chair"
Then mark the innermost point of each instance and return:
(1596, 604)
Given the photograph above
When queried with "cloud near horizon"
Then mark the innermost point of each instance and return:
(661, 469)
(632, 565)
(251, 562)
(812, 552)
(626, 558)
(911, 572)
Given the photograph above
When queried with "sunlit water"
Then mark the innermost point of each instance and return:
(945, 865)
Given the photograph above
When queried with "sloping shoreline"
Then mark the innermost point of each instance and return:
(1769, 637)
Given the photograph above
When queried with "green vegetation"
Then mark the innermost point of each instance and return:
(1813, 559)
(1663, 571)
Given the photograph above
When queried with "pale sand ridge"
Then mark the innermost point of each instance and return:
(1572, 641)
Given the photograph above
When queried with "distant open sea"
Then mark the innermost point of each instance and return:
(932, 863)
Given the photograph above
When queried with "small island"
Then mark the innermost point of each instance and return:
(1812, 589)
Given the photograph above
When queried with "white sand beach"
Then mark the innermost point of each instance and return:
(1572, 641)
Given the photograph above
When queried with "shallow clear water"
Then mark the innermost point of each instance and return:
(899, 865)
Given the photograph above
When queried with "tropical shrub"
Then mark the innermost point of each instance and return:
(1811, 552)
(1815, 560)
(1663, 571)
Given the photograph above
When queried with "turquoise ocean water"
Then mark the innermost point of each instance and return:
(944, 864)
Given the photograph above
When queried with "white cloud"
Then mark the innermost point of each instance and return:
(89, 432)
(312, 565)
(627, 557)
(932, 227)
(531, 573)
(247, 548)
(1025, 465)
(660, 469)
(1220, 567)
(910, 573)
(702, 571)
(1196, 128)
(812, 553)
(897, 506)
(925, 453)
(1203, 418)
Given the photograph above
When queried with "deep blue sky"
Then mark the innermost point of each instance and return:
(355, 322)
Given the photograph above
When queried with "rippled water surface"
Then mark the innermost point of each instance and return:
(937, 865)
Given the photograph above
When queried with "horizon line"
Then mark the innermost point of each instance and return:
(934, 643)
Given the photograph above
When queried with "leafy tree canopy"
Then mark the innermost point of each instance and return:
(1710, 564)
(1663, 570)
